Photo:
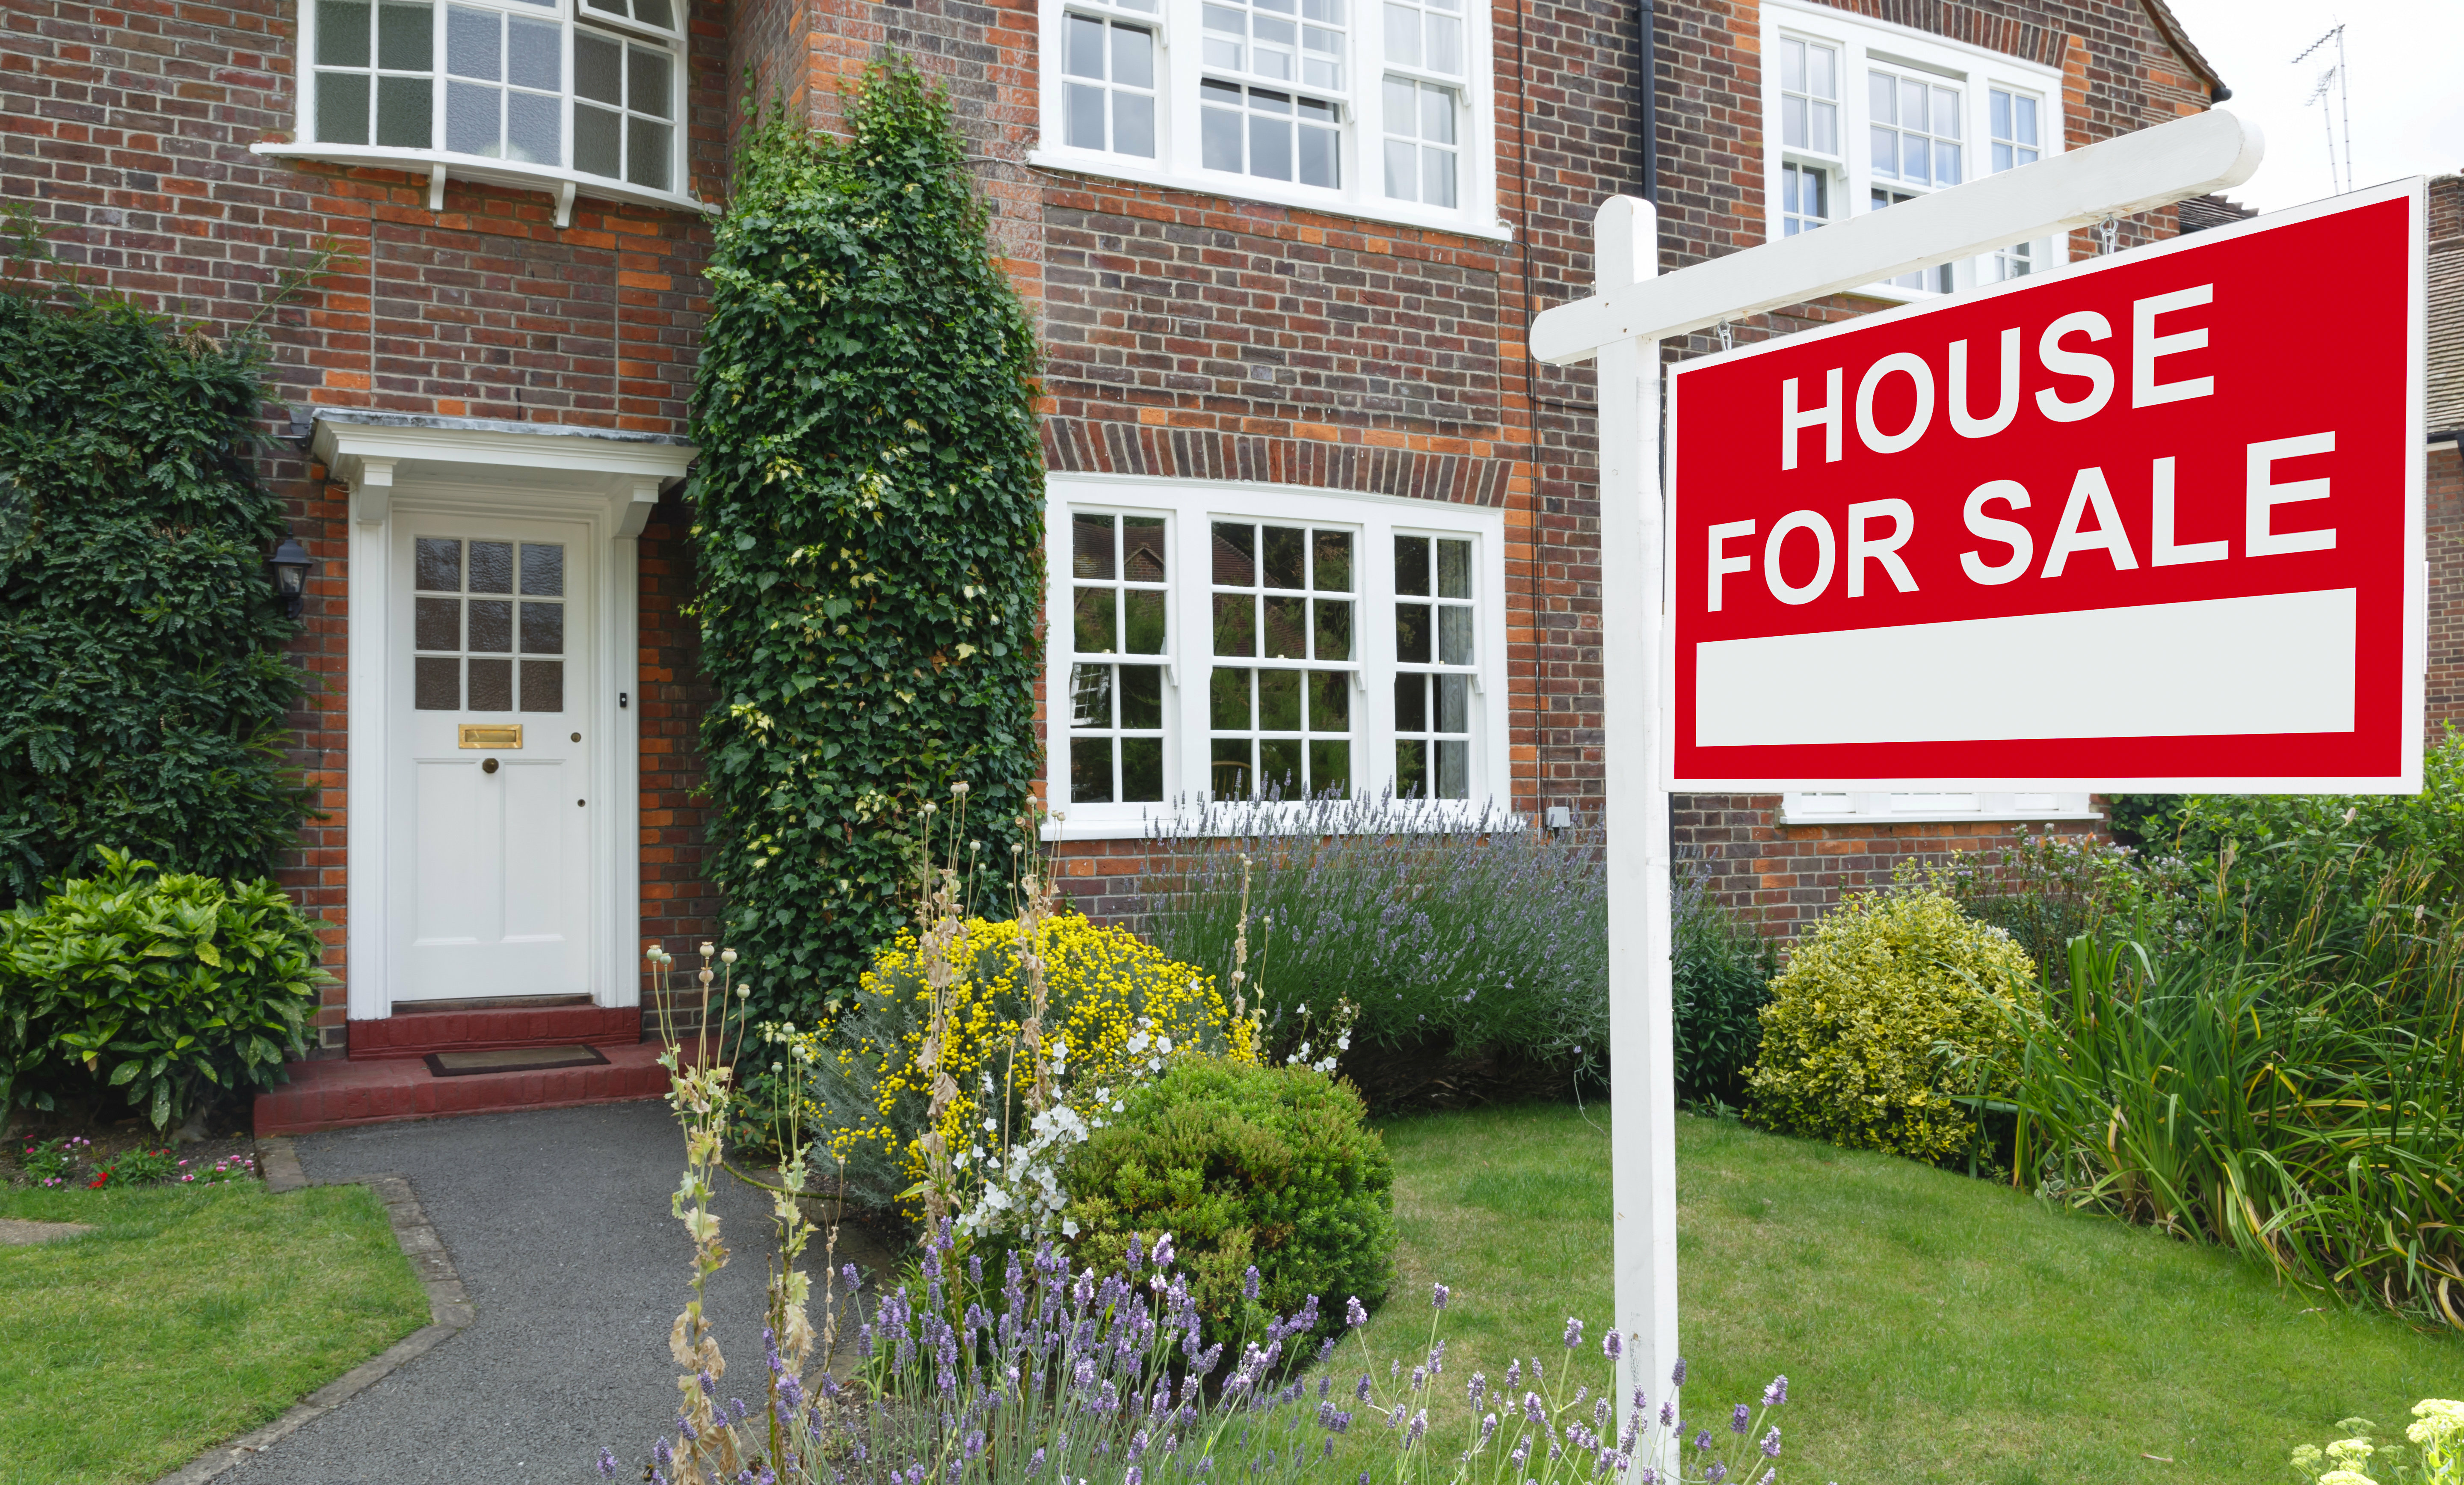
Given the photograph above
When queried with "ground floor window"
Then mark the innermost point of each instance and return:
(1221, 642)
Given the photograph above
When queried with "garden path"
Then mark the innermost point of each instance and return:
(558, 1222)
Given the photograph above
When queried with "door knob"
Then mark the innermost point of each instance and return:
(488, 765)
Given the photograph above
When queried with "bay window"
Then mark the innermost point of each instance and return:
(1863, 115)
(1373, 108)
(1263, 644)
(569, 96)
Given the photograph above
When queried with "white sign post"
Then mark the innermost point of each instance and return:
(1620, 327)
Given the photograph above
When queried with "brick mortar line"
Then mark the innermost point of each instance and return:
(449, 1312)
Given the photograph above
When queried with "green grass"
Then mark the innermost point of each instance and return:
(188, 1315)
(1932, 1328)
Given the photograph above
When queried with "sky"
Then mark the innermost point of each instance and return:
(2406, 64)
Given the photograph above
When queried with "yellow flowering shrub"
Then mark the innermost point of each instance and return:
(1117, 1013)
(1849, 1037)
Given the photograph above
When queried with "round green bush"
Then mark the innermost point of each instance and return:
(1871, 1012)
(1271, 1166)
(168, 988)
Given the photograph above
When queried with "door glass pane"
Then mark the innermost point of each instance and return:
(542, 684)
(492, 686)
(491, 626)
(492, 566)
(436, 623)
(436, 684)
(543, 629)
(542, 570)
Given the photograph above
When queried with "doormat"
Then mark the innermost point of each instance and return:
(512, 1059)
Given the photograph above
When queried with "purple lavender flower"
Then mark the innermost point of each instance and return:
(1487, 1427)
(1249, 1283)
(1770, 1442)
(1532, 1410)
(1513, 1374)
(1419, 1378)
(1702, 1440)
(1354, 1314)
(1716, 1473)
(1439, 1297)
(1476, 1388)
(1574, 1332)
(1668, 1415)
(1361, 1390)
(1136, 1255)
(1163, 1253)
(1776, 1393)
(1612, 1345)
(709, 1386)
(607, 1463)
(1741, 1420)
(1677, 1373)
(1419, 1426)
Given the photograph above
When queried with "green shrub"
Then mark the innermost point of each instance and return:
(143, 699)
(1271, 1166)
(1868, 1015)
(1720, 976)
(869, 533)
(158, 983)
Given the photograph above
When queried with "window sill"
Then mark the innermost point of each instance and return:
(1246, 188)
(1787, 816)
(439, 166)
(1234, 821)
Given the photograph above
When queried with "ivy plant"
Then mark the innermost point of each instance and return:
(142, 695)
(868, 528)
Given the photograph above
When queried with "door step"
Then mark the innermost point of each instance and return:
(331, 1094)
(493, 1025)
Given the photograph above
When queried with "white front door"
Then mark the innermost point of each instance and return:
(489, 817)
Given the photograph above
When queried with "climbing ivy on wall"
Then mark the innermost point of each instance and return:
(142, 695)
(869, 528)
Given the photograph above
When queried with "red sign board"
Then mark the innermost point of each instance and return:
(2151, 521)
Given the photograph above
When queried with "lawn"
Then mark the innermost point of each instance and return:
(188, 1315)
(1932, 1328)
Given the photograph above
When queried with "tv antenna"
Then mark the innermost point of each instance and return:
(2329, 114)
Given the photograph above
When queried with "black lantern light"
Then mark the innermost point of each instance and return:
(292, 565)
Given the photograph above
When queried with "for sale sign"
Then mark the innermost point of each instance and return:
(2150, 522)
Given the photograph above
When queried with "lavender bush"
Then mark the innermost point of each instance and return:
(1481, 929)
(1040, 1374)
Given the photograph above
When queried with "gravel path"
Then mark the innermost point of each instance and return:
(558, 1221)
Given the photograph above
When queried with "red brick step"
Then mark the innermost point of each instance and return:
(334, 1093)
(414, 1032)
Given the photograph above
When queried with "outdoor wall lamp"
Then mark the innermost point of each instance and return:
(292, 565)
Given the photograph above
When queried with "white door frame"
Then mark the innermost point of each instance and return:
(469, 467)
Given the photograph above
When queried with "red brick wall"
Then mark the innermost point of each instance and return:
(1786, 875)
(679, 906)
(2445, 524)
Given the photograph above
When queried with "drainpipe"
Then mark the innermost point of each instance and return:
(1650, 106)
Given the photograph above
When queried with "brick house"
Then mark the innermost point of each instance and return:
(1282, 258)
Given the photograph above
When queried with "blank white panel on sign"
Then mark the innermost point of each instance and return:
(2275, 663)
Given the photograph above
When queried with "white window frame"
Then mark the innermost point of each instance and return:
(1863, 44)
(1189, 508)
(560, 180)
(1885, 807)
(1178, 25)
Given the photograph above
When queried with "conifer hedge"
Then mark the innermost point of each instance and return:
(142, 694)
(868, 530)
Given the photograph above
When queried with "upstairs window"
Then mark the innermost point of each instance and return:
(2011, 118)
(1368, 107)
(1863, 115)
(519, 88)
